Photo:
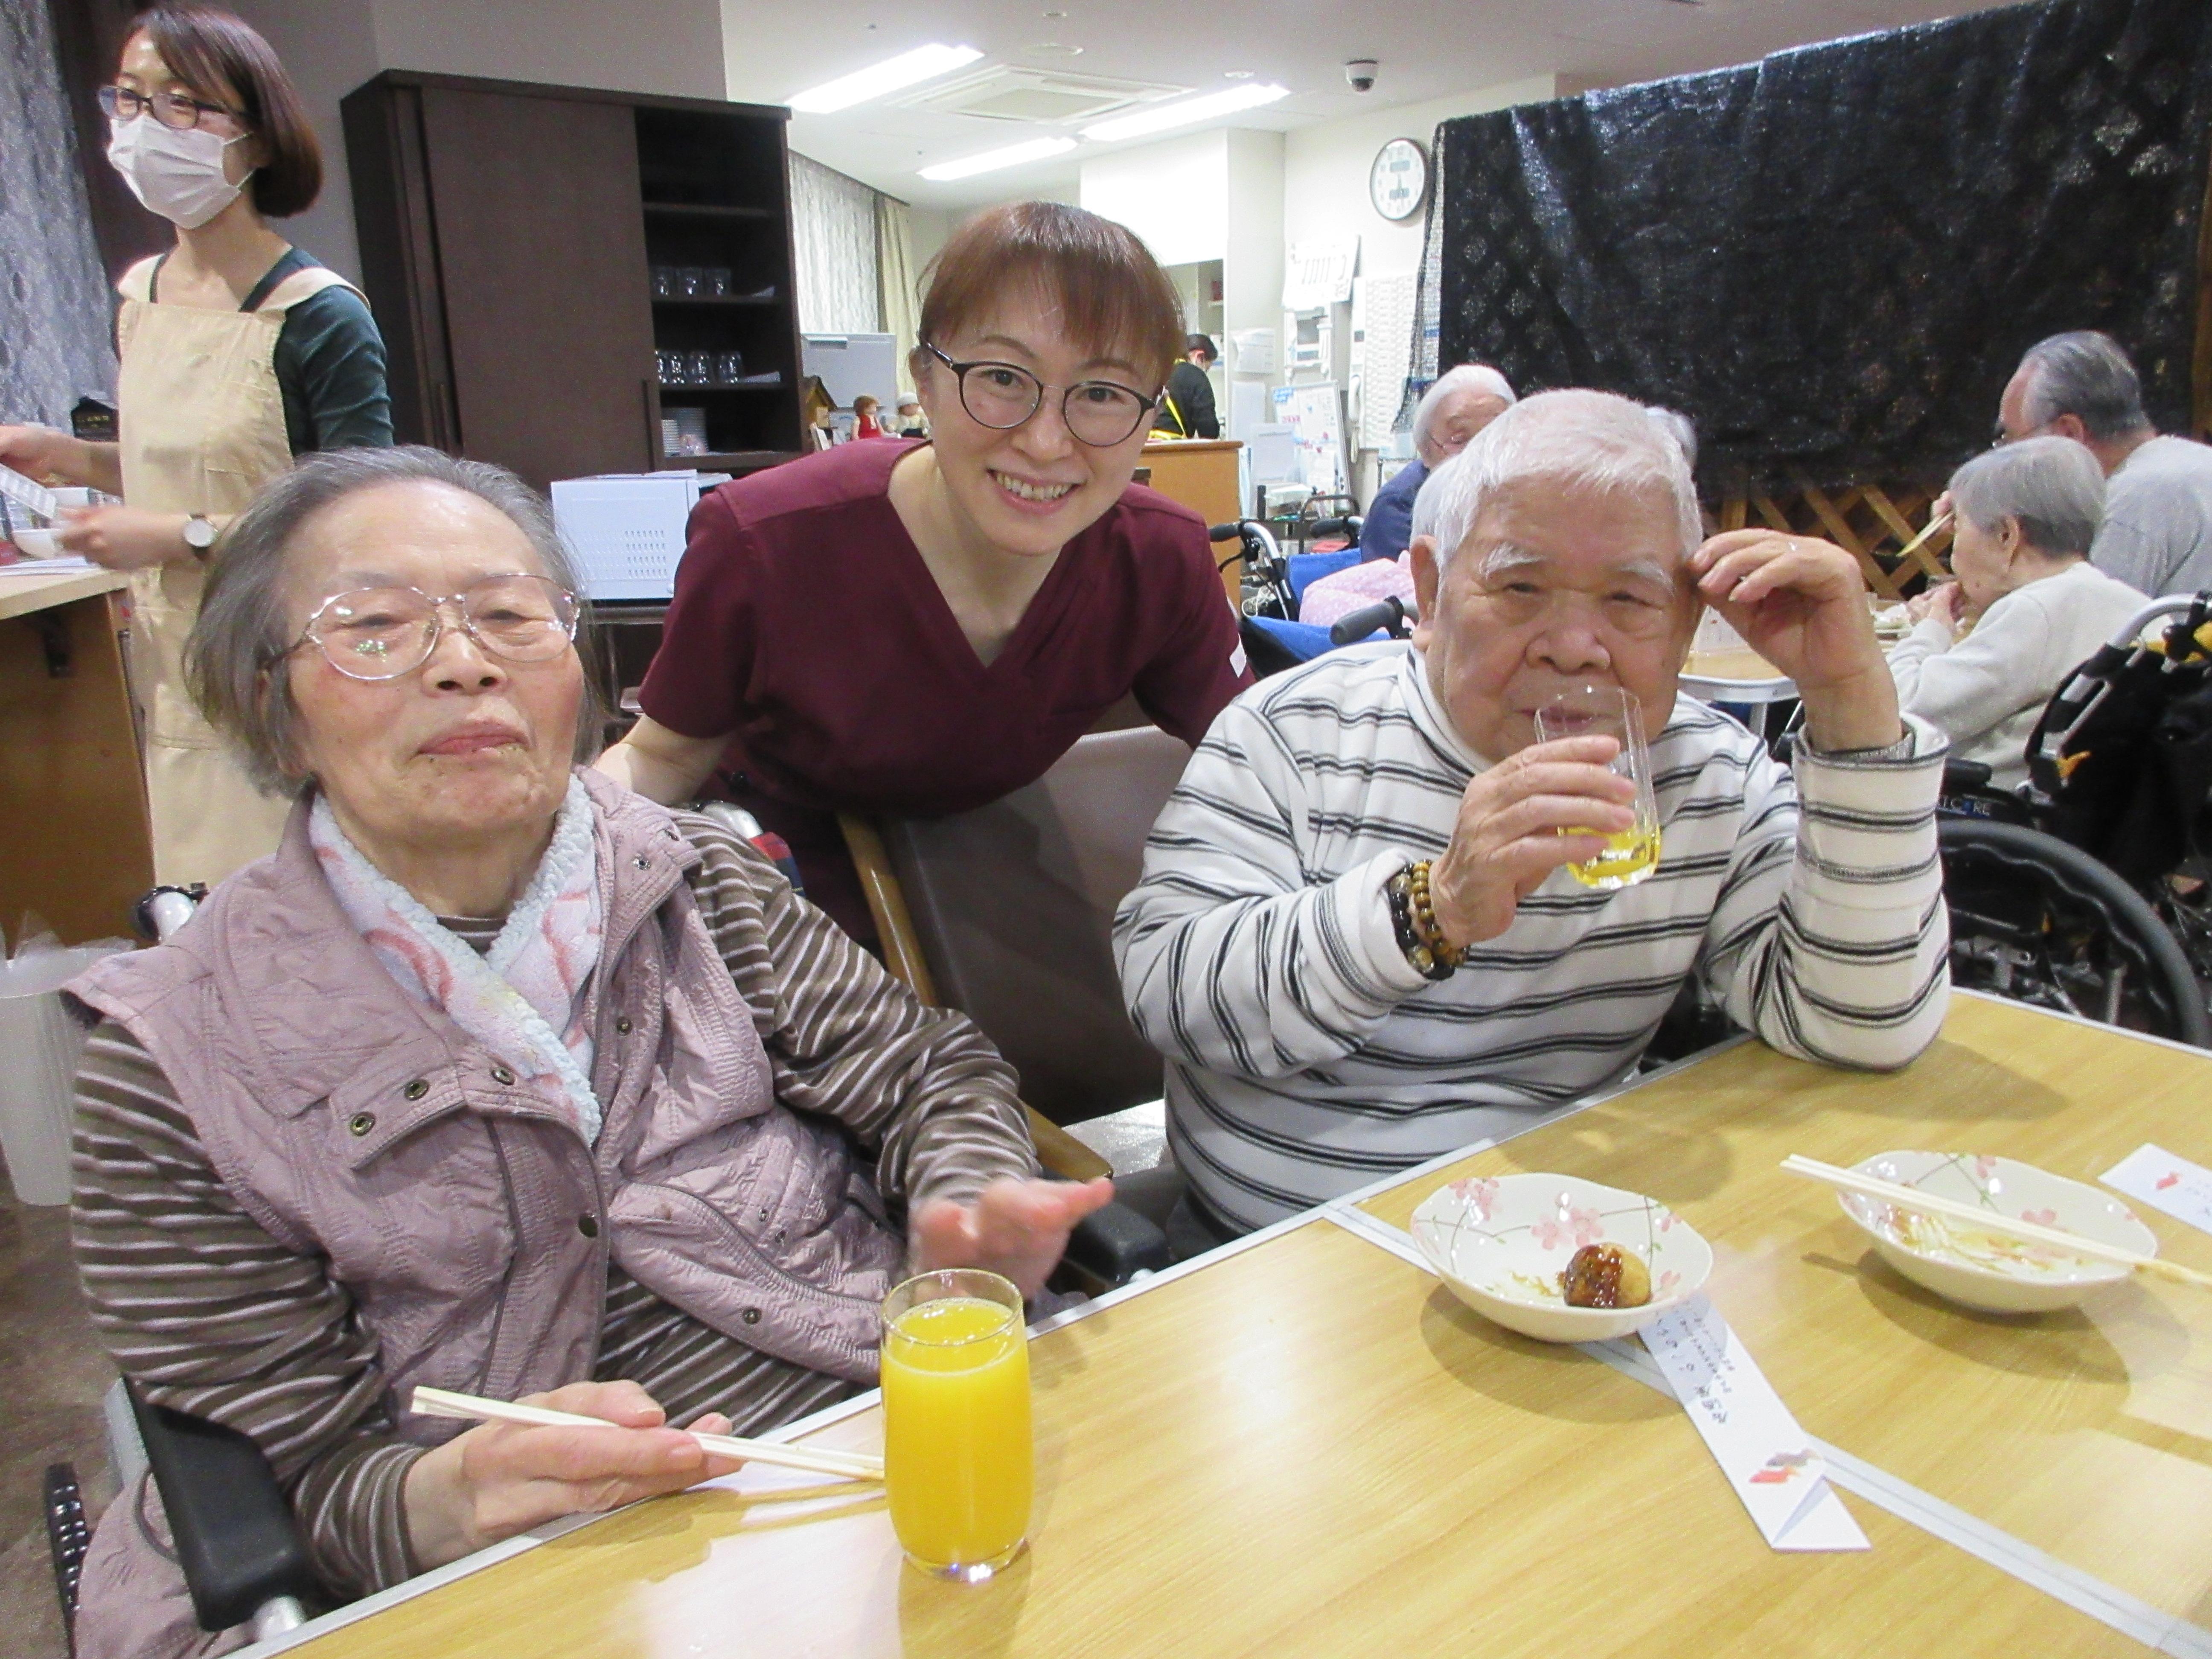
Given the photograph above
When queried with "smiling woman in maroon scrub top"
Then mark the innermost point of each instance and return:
(920, 628)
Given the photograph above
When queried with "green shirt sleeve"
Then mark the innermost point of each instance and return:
(329, 367)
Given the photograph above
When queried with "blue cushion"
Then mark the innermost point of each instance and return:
(1307, 569)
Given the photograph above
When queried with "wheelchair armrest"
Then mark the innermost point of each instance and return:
(236, 1538)
(1964, 777)
(1111, 1246)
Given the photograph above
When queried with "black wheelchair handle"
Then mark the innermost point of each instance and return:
(1347, 525)
(1389, 615)
(1224, 533)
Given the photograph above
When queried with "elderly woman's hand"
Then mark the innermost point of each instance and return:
(1945, 602)
(500, 1479)
(1016, 1228)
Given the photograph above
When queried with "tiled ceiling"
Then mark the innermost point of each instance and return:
(1424, 49)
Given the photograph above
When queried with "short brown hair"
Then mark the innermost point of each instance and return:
(217, 55)
(1109, 286)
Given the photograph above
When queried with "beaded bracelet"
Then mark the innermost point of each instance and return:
(1413, 919)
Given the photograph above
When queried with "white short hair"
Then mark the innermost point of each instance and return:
(1590, 440)
(1468, 376)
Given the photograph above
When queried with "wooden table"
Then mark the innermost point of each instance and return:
(1305, 1445)
(77, 850)
(1202, 473)
(1742, 679)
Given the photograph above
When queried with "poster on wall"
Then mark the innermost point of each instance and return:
(1314, 415)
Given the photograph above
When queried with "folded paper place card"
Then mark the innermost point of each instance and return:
(2182, 1189)
(1767, 1458)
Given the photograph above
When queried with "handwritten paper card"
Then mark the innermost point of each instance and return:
(2165, 1182)
(1767, 1458)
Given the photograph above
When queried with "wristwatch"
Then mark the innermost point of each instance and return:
(199, 535)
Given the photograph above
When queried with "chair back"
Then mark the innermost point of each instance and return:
(1013, 904)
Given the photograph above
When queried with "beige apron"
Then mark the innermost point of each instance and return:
(201, 422)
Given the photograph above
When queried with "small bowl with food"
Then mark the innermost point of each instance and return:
(1560, 1259)
(1990, 1272)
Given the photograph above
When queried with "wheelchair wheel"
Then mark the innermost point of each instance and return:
(2042, 922)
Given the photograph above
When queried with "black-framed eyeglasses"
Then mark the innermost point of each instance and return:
(381, 633)
(1001, 396)
(171, 109)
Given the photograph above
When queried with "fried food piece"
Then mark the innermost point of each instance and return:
(1605, 1276)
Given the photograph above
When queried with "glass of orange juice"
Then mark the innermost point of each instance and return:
(1595, 709)
(957, 1461)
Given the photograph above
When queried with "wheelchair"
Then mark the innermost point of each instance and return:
(2086, 890)
(1273, 637)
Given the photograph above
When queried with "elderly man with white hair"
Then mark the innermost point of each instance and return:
(1463, 402)
(1354, 940)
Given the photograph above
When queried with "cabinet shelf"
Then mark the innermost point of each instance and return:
(716, 300)
(776, 384)
(704, 211)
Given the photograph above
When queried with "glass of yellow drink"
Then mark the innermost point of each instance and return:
(1595, 709)
(957, 1461)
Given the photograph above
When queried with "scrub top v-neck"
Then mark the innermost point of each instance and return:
(806, 624)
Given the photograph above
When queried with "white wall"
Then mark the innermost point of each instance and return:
(672, 46)
(1175, 195)
(1325, 172)
(1252, 268)
(329, 47)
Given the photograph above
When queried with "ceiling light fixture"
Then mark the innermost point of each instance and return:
(1161, 118)
(906, 69)
(992, 160)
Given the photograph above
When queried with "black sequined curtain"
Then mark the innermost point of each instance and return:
(1832, 259)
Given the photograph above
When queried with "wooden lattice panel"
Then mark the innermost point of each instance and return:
(1873, 522)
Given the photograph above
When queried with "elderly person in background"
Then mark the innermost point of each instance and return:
(1987, 651)
(2157, 530)
(1463, 402)
(1354, 940)
(495, 1077)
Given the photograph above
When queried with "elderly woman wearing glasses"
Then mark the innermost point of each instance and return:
(921, 627)
(496, 1077)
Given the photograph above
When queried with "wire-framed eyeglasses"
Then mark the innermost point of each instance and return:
(171, 109)
(1002, 395)
(381, 633)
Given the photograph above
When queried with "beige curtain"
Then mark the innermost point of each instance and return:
(902, 305)
(833, 234)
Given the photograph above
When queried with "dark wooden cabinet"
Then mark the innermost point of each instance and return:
(560, 274)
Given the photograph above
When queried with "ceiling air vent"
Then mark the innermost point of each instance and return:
(1006, 92)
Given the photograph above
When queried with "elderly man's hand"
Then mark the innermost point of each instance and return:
(500, 1479)
(1016, 1228)
(1800, 603)
(1508, 836)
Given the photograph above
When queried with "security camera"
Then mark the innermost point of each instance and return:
(1360, 72)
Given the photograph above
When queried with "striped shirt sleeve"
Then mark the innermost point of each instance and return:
(1830, 939)
(1231, 956)
(921, 1086)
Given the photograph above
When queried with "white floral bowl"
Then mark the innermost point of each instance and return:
(1987, 1271)
(1500, 1244)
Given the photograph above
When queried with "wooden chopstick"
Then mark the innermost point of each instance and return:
(816, 1460)
(1909, 1198)
(1921, 539)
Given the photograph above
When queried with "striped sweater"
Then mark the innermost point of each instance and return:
(209, 1314)
(1305, 1057)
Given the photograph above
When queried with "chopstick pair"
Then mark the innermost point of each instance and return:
(816, 1460)
(1934, 526)
(1910, 1197)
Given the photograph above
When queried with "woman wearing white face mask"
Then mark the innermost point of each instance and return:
(238, 352)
